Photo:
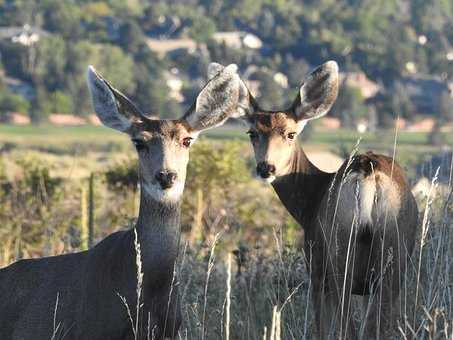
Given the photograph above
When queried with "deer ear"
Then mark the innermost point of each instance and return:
(216, 102)
(214, 69)
(247, 104)
(112, 107)
(317, 93)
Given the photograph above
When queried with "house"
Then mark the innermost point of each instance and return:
(25, 35)
(359, 80)
(16, 118)
(330, 123)
(164, 46)
(66, 119)
(424, 125)
(238, 39)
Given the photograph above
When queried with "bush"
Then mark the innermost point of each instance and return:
(10, 102)
(123, 176)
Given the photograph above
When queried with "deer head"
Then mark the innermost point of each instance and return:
(163, 145)
(273, 134)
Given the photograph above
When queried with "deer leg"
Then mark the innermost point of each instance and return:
(170, 313)
(325, 310)
(345, 328)
(380, 321)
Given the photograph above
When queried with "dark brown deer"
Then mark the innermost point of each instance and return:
(75, 296)
(359, 222)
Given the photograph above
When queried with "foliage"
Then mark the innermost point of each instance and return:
(350, 106)
(12, 103)
(202, 29)
(123, 176)
(215, 168)
(112, 35)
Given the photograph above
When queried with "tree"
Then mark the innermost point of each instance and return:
(350, 106)
(49, 68)
(130, 37)
(202, 29)
(446, 107)
(445, 115)
(151, 93)
(109, 60)
(60, 102)
(10, 102)
(400, 102)
(271, 94)
(40, 107)
(62, 18)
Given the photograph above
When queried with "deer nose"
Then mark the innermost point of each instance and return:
(166, 178)
(265, 170)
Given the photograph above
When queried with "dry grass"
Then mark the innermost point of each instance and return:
(263, 291)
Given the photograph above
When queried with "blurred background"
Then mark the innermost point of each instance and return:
(66, 181)
(396, 56)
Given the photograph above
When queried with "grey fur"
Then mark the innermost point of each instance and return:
(245, 99)
(217, 101)
(214, 69)
(112, 107)
(318, 92)
(80, 290)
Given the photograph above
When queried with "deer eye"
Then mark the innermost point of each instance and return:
(291, 135)
(186, 142)
(139, 144)
(252, 134)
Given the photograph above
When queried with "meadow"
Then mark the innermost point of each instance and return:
(241, 269)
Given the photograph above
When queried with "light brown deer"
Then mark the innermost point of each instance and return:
(359, 222)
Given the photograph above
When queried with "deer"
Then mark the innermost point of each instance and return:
(359, 222)
(77, 295)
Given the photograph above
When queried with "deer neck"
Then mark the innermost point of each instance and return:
(302, 187)
(158, 230)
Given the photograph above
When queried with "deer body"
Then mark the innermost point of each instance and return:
(77, 296)
(80, 291)
(350, 218)
(359, 222)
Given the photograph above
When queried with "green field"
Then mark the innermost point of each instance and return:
(48, 133)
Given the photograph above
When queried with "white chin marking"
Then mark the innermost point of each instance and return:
(172, 194)
(269, 179)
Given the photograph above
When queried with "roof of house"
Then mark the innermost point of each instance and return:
(359, 80)
(163, 46)
(238, 39)
(22, 34)
(66, 119)
(424, 125)
(16, 118)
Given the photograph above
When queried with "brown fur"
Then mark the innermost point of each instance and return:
(359, 222)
